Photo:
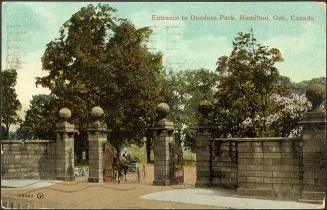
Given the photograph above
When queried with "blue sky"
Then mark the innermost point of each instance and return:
(195, 44)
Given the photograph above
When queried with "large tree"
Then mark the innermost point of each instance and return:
(40, 119)
(247, 79)
(8, 102)
(99, 61)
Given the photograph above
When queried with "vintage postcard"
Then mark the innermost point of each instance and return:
(188, 105)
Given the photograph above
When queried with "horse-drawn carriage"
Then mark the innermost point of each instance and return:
(116, 167)
(129, 166)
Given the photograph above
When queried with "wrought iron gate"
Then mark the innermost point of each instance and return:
(176, 164)
(107, 162)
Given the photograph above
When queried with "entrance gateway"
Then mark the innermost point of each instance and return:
(168, 154)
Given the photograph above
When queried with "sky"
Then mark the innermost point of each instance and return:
(27, 27)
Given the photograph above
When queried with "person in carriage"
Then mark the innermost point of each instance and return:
(119, 166)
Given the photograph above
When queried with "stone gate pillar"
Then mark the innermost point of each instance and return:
(97, 137)
(65, 147)
(163, 135)
(314, 142)
(203, 134)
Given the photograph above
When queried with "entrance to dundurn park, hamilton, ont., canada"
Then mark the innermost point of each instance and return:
(272, 167)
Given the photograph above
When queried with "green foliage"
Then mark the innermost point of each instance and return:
(134, 88)
(2, 132)
(9, 102)
(136, 151)
(40, 120)
(247, 79)
(189, 159)
(99, 61)
(183, 91)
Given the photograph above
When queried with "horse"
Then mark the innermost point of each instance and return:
(123, 165)
(119, 167)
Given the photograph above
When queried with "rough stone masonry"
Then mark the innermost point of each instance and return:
(41, 159)
(282, 168)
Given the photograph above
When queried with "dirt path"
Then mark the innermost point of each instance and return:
(82, 194)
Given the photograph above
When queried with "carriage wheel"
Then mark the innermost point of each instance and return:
(143, 170)
(120, 176)
(138, 178)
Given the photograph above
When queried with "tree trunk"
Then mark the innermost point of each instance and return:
(6, 133)
(148, 149)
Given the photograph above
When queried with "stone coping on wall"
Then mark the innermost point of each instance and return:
(26, 141)
(257, 139)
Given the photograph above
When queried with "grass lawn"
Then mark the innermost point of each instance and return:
(134, 151)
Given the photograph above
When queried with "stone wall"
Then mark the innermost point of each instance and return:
(224, 170)
(46, 159)
(277, 167)
(282, 168)
(261, 167)
(270, 167)
(30, 159)
(314, 153)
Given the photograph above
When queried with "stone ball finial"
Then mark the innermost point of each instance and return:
(65, 113)
(163, 110)
(316, 94)
(97, 112)
(205, 107)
